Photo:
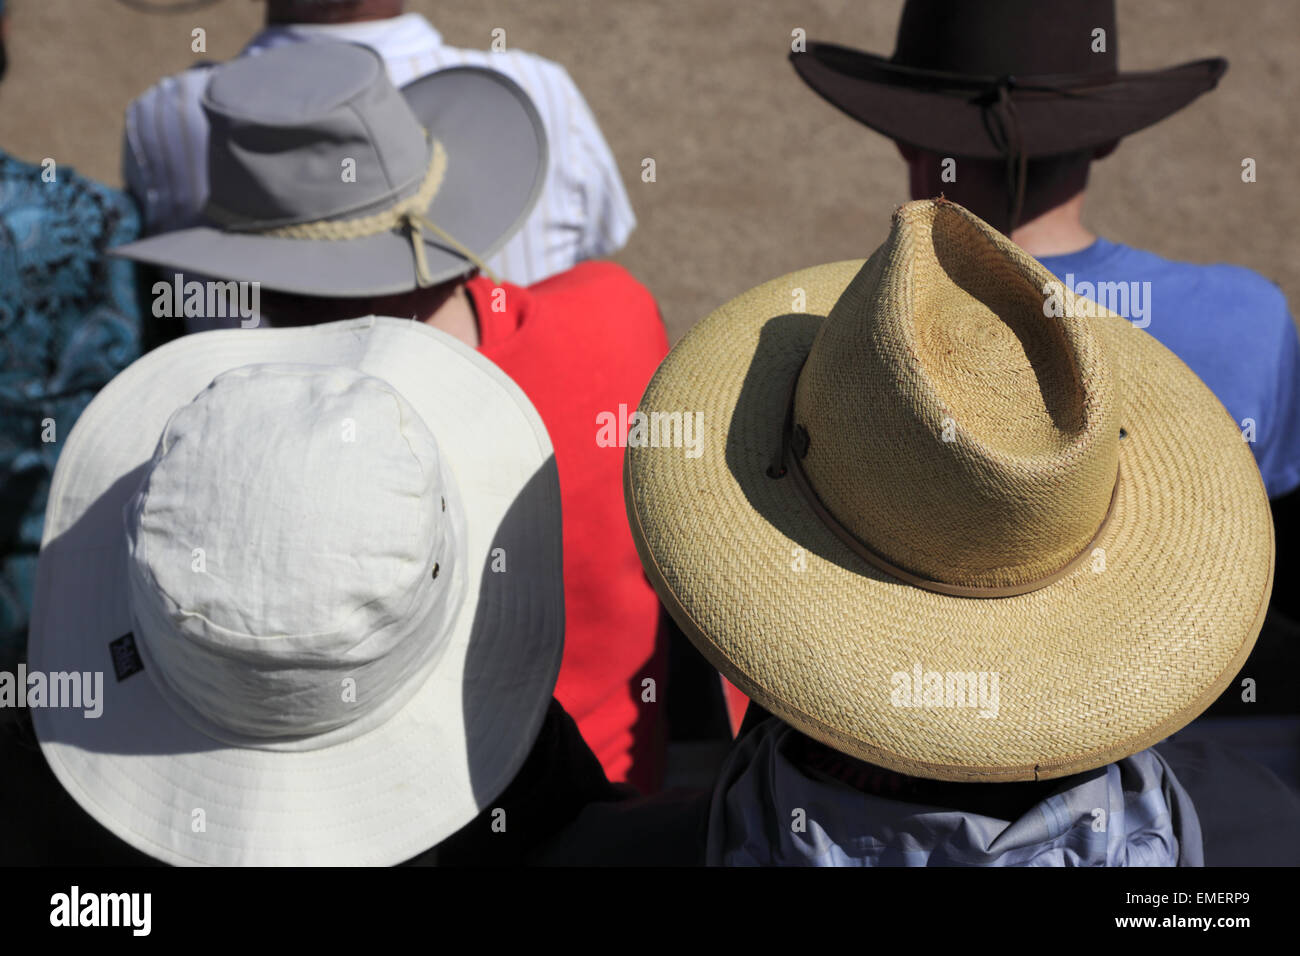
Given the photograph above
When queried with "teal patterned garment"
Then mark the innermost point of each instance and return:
(69, 322)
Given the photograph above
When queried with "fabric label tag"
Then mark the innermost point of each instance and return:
(126, 659)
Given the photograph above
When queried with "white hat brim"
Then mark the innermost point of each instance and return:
(377, 799)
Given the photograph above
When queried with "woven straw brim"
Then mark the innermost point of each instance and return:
(1098, 665)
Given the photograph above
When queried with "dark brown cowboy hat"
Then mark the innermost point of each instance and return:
(1002, 79)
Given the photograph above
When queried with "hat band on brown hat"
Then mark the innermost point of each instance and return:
(794, 444)
(1000, 117)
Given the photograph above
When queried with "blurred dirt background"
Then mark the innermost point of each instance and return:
(757, 176)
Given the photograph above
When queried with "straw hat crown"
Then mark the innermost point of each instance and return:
(954, 415)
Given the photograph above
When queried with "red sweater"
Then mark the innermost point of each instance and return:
(579, 344)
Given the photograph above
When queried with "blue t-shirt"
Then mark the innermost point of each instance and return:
(1229, 324)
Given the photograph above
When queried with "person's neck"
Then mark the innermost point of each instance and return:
(1057, 232)
(456, 316)
(446, 306)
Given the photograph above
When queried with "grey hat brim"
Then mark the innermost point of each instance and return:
(497, 163)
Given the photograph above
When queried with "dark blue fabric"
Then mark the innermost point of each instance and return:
(69, 322)
(1232, 328)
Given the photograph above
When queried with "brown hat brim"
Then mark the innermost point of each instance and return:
(1061, 115)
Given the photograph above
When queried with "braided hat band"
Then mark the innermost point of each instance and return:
(406, 214)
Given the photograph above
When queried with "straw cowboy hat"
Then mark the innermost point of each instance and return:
(296, 553)
(326, 180)
(1002, 79)
(951, 475)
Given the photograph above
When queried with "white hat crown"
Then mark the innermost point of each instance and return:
(297, 555)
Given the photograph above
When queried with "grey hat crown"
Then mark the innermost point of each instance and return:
(325, 180)
(309, 131)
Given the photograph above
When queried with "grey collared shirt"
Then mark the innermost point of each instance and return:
(769, 811)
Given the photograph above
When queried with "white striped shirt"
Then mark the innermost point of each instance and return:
(582, 213)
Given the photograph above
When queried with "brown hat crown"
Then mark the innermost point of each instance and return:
(1022, 38)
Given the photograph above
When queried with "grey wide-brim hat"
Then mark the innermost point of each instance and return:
(327, 180)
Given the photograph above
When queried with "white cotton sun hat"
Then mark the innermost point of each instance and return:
(320, 569)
